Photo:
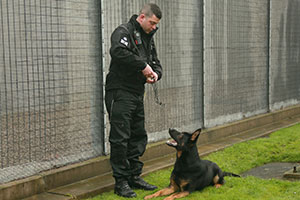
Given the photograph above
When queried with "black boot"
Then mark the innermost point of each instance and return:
(139, 183)
(123, 189)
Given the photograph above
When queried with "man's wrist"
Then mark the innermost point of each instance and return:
(144, 66)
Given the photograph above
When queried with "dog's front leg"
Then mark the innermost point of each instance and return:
(177, 195)
(163, 192)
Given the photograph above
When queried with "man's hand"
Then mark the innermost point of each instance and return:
(150, 74)
(148, 71)
(153, 78)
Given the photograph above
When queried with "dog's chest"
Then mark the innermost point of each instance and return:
(182, 183)
(183, 178)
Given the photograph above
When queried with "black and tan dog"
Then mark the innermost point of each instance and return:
(190, 173)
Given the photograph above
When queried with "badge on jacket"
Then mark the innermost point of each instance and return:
(137, 38)
(124, 41)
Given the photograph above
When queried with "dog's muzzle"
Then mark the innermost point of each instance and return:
(172, 143)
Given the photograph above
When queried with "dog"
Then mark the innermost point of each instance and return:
(190, 173)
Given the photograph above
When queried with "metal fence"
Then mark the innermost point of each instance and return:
(51, 85)
(223, 60)
(236, 60)
(284, 53)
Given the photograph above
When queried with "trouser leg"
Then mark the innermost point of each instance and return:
(138, 140)
(127, 134)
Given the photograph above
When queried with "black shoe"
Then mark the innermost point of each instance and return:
(139, 183)
(122, 189)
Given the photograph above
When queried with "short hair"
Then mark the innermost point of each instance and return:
(150, 9)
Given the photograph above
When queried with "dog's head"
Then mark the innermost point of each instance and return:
(183, 141)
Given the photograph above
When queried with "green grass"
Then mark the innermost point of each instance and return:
(281, 146)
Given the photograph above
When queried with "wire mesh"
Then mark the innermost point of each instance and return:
(51, 85)
(236, 60)
(284, 60)
(223, 60)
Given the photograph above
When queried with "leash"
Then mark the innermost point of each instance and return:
(156, 98)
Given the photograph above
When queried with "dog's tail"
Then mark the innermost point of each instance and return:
(231, 174)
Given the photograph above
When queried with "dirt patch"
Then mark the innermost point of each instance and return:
(271, 170)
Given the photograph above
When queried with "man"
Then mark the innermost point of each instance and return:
(134, 62)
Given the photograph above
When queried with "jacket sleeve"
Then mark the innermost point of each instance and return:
(155, 63)
(122, 51)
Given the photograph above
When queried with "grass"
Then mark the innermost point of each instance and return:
(281, 146)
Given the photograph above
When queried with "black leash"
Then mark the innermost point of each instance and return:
(156, 98)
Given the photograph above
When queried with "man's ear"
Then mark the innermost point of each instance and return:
(142, 16)
(195, 135)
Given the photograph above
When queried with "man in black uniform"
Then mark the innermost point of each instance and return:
(134, 62)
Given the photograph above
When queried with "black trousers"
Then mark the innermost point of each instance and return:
(128, 137)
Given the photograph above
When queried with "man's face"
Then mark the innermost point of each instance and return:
(149, 23)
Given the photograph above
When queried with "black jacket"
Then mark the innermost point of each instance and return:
(131, 50)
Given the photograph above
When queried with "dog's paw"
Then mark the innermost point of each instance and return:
(169, 198)
(218, 185)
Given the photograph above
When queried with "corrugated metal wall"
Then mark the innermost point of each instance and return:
(51, 110)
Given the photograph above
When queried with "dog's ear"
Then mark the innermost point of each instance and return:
(171, 129)
(195, 135)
